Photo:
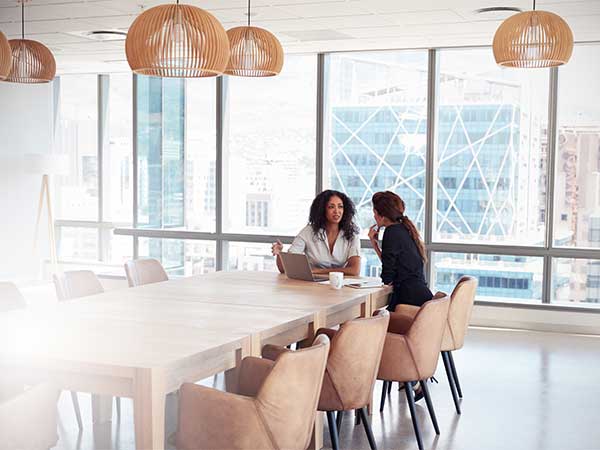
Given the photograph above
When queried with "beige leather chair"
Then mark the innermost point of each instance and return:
(459, 316)
(77, 284)
(411, 352)
(10, 297)
(144, 271)
(28, 418)
(351, 370)
(274, 408)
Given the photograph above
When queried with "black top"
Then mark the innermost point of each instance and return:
(402, 265)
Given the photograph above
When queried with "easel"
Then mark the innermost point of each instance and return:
(45, 193)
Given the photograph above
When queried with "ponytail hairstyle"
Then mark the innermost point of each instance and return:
(390, 205)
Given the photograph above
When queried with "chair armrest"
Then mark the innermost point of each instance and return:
(253, 372)
(209, 418)
(408, 310)
(271, 351)
(400, 322)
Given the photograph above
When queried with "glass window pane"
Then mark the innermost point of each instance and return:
(491, 151)
(269, 160)
(375, 128)
(77, 244)
(200, 155)
(576, 281)
(370, 263)
(250, 256)
(119, 249)
(577, 182)
(77, 135)
(180, 257)
(118, 152)
(501, 278)
(160, 115)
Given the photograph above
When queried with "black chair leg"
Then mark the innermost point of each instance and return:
(384, 392)
(118, 402)
(408, 389)
(454, 374)
(451, 381)
(338, 421)
(430, 406)
(333, 432)
(365, 420)
(356, 417)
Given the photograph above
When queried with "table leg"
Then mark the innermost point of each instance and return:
(149, 409)
(250, 347)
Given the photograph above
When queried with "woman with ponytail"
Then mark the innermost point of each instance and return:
(402, 251)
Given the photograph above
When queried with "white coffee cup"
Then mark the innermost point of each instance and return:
(336, 279)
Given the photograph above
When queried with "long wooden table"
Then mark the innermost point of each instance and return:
(143, 342)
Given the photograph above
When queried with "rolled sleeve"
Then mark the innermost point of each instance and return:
(298, 244)
(354, 248)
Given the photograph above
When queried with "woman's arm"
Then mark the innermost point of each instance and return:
(374, 238)
(352, 268)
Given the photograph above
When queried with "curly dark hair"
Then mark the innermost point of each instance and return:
(317, 218)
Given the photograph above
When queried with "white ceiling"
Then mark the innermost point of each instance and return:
(301, 25)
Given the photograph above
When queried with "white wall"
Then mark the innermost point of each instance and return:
(26, 126)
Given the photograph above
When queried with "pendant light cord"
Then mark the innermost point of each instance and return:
(534, 5)
(248, 12)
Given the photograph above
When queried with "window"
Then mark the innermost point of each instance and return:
(577, 180)
(180, 257)
(257, 213)
(501, 278)
(492, 127)
(576, 281)
(160, 146)
(117, 156)
(77, 135)
(375, 128)
(250, 256)
(270, 148)
(200, 154)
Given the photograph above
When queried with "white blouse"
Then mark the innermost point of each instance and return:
(316, 248)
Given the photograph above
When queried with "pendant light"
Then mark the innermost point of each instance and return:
(175, 40)
(5, 57)
(255, 52)
(533, 39)
(32, 61)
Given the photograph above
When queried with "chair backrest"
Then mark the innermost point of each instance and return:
(76, 283)
(354, 360)
(144, 271)
(287, 399)
(28, 419)
(459, 314)
(424, 337)
(10, 297)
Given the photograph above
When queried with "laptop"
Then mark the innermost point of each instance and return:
(296, 267)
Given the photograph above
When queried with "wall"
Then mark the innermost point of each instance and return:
(26, 126)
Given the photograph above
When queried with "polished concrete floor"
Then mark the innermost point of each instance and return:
(522, 390)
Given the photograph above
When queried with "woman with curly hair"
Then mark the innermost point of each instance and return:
(330, 240)
(402, 251)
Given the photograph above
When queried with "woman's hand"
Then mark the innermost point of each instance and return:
(277, 248)
(374, 233)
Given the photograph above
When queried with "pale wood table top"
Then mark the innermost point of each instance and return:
(159, 324)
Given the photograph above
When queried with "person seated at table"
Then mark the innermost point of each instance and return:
(402, 252)
(331, 239)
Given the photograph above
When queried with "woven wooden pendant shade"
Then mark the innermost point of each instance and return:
(533, 39)
(32, 62)
(179, 41)
(255, 52)
(5, 57)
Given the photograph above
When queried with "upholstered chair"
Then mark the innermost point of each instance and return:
(144, 271)
(351, 370)
(459, 316)
(10, 297)
(28, 418)
(410, 353)
(76, 284)
(274, 407)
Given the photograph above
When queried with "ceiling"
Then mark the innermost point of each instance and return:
(301, 25)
